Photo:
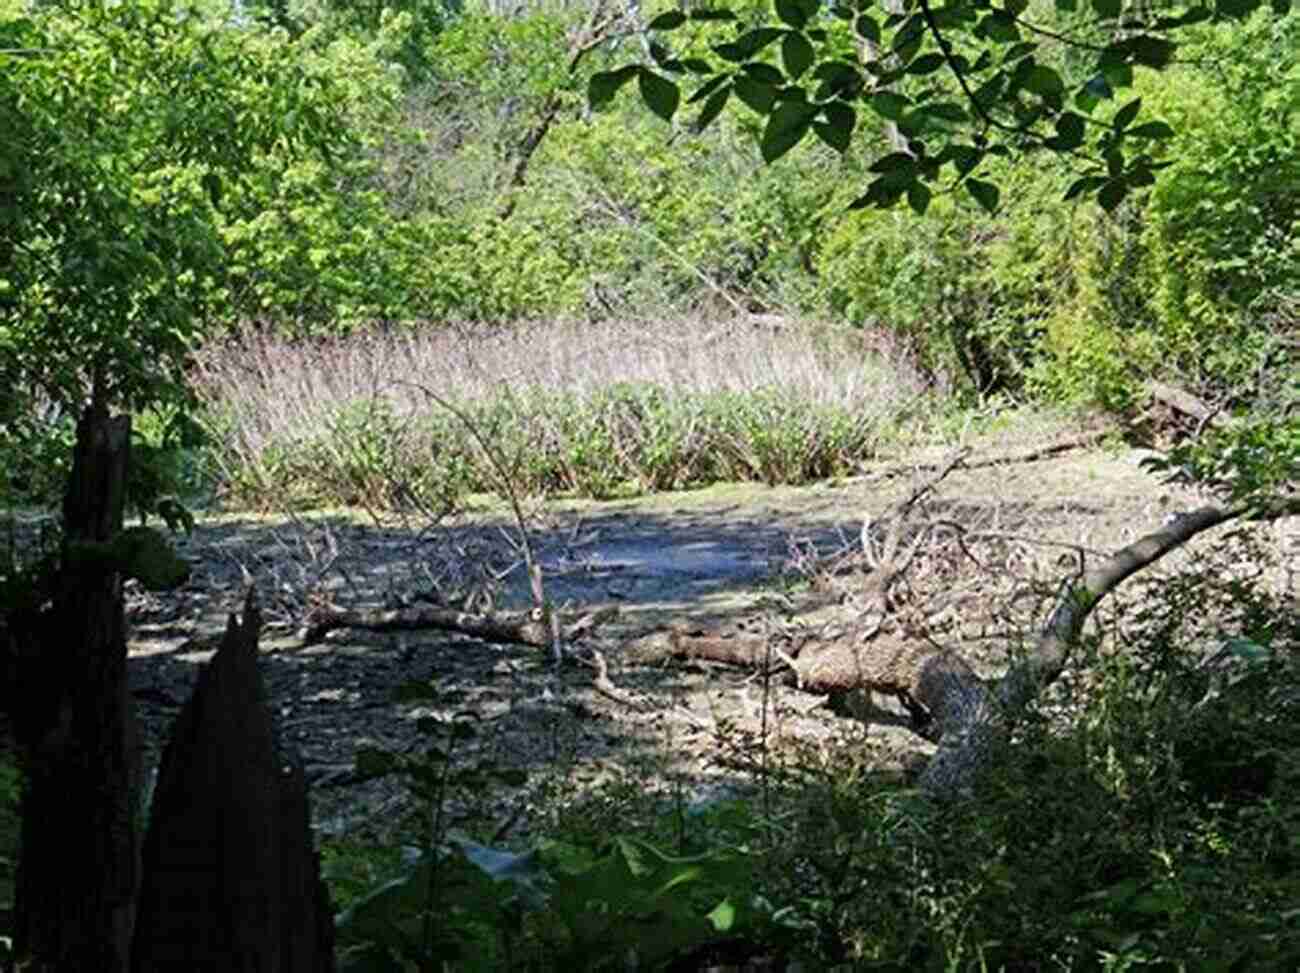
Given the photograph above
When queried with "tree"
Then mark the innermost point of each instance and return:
(959, 85)
(952, 89)
(128, 126)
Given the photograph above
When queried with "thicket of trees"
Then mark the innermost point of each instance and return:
(1048, 200)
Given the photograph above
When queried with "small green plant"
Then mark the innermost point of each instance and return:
(581, 905)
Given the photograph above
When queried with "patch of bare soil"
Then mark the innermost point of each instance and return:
(731, 555)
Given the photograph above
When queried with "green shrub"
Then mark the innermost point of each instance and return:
(1221, 231)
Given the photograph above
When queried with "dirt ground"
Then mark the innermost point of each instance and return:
(708, 557)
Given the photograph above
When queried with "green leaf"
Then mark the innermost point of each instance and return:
(1151, 130)
(926, 64)
(1067, 6)
(948, 111)
(712, 108)
(839, 80)
(1106, 9)
(837, 130)
(758, 96)
(706, 89)
(1151, 51)
(1112, 194)
(991, 90)
(1119, 74)
(893, 162)
(604, 85)
(998, 26)
(749, 44)
(667, 21)
(1098, 89)
(1069, 131)
(918, 197)
(1016, 51)
(797, 54)
(1140, 175)
(792, 12)
(890, 105)
(660, 95)
(866, 27)
(907, 35)
(965, 157)
(1042, 80)
(1235, 9)
(785, 128)
(1281, 8)
(715, 14)
(884, 192)
(1124, 117)
(1085, 184)
(834, 138)
(723, 917)
(764, 73)
(984, 193)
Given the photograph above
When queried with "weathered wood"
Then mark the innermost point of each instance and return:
(517, 628)
(231, 882)
(78, 864)
(969, 717)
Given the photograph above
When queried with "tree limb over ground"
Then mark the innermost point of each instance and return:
(529, 628)
(969, 717)
(878, 649)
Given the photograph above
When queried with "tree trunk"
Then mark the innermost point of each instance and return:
(231, 881)
(77, 872)
(968, 717)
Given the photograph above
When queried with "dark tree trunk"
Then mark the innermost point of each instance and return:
(77, 871)
(232, 884)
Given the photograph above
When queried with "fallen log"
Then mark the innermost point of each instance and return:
(969, 717)
(529, 628)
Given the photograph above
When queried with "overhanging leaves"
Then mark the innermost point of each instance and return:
(604, 85)
(984, 193)
(796, 53)
(786, 126)
(749, 44)
(667, 21)
(660, 95)
(758, 96)
(713, 107)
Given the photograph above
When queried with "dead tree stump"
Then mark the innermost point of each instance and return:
(231, 881)
(65, 654)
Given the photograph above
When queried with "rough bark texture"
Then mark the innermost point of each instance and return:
(970, 718)
(231, 883)
(78, 866)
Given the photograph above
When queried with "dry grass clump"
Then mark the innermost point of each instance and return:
(596, 409)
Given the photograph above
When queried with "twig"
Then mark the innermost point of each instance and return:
(1021, 456)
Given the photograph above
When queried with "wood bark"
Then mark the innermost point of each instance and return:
(231, 881)
(77, 870)
(517, 628)
(970, 718)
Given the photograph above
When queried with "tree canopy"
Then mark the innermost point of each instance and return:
(958, 83)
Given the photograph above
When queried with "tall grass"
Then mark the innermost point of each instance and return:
(593, 409)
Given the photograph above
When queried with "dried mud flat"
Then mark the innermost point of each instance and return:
(702, 558)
